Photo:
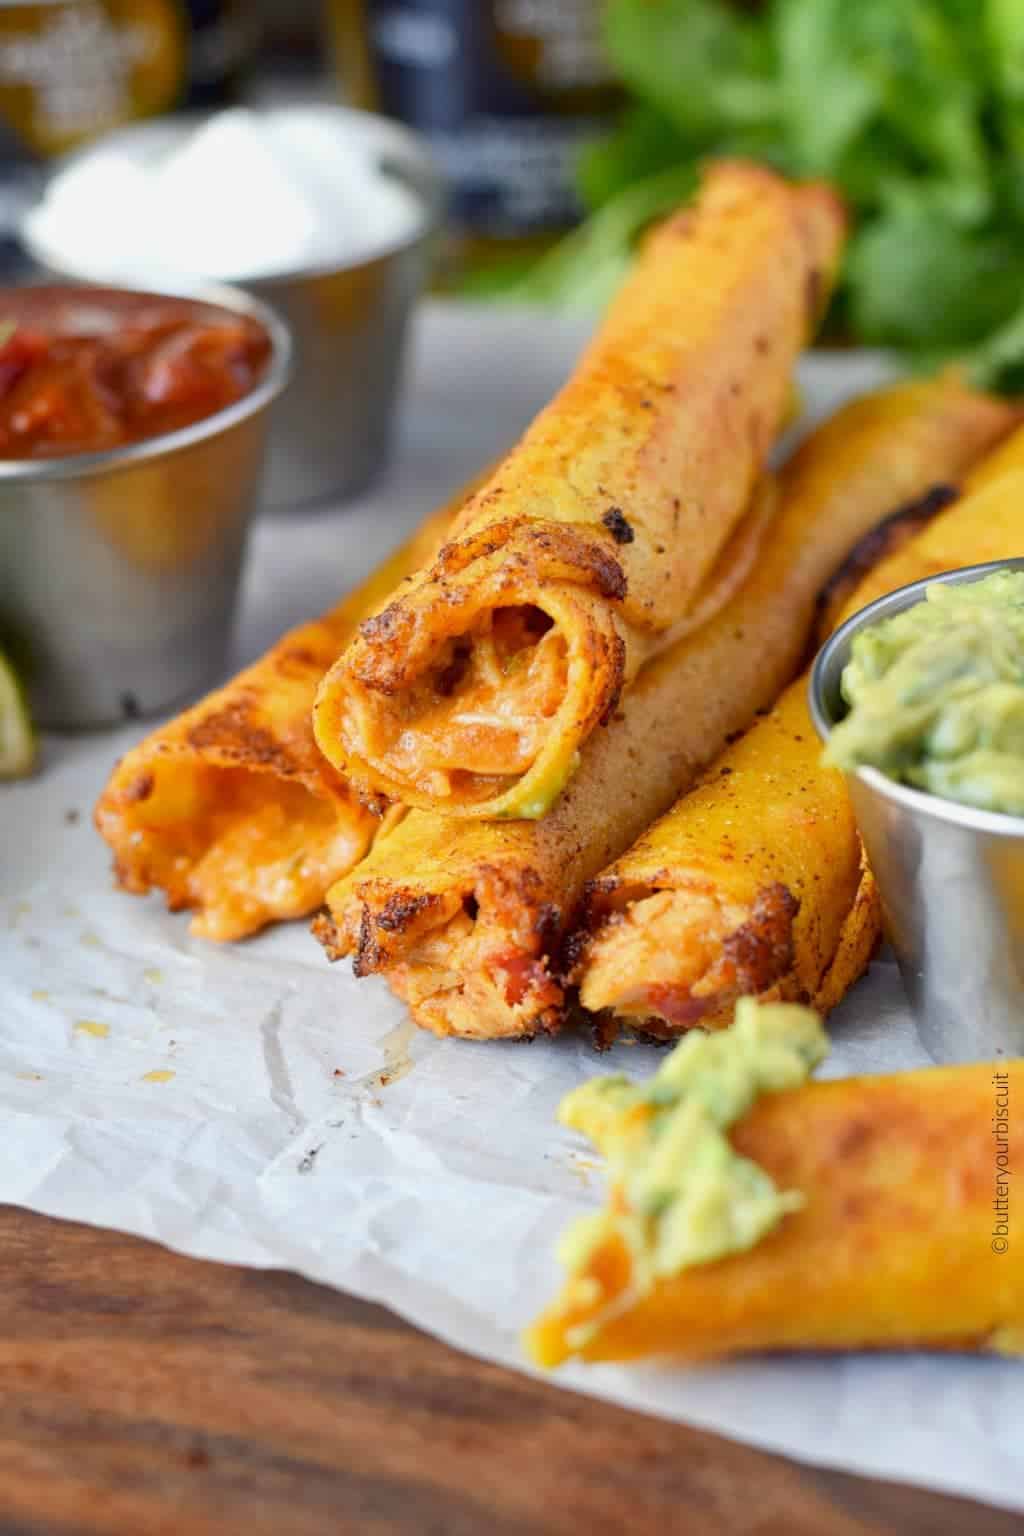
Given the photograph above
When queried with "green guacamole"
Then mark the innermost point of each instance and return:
(682, 1194)
(936, 695)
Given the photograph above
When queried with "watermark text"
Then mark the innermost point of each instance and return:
(1001, 1136)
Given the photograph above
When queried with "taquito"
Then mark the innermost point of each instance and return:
(748, 1212)
(229, 808)
(622, 516)
(754, 883)
(466, 919)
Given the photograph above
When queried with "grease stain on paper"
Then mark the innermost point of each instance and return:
(584, 1168)
(395, 1048)
(91, 1027)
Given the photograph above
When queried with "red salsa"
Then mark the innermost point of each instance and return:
(82, 371)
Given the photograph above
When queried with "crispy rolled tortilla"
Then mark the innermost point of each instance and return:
(230, 809)
(886, 1234)
(623, 516)
(754, 883)
(466, 919)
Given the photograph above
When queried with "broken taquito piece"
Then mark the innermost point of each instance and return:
(755, 882)
(623, 517)
(466, 919)
(229, 808)
(750, 1210)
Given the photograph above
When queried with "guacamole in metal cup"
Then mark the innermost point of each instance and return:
(936, 695)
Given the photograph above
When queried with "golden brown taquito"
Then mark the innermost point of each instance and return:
(754, 883)
(465, 919)
(896, 1242)
(603, 533)
(229, 808)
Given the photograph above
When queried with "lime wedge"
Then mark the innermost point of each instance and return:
(17, 738)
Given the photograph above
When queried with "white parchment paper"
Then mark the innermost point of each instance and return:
(255, 1105)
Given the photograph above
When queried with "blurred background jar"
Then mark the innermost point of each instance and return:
(73, 70)
(506, 93)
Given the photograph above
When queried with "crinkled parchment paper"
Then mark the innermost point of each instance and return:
(256, 1106)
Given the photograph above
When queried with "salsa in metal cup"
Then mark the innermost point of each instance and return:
(83, 372)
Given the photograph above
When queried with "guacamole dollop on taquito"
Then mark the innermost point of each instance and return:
(682, 1194)
(936, 695)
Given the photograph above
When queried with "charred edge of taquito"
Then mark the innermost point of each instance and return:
(883, 540)
(398, 642)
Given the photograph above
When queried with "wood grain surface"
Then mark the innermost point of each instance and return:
(143, 1393)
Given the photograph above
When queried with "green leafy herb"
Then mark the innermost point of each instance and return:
(705, 67)
(1003, 33)
(919, 280)
(584, 269)
(913, 108)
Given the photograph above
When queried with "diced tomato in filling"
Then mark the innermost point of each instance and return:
(678, 1005)
(521, 973)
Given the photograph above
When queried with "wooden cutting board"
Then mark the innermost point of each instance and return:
(145, 1394)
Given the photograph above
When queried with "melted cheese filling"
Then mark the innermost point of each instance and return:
(242, 849)
(481, 714)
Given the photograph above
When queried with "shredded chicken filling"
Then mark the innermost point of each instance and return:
(456, 981)
(480, 714)
(667, 941)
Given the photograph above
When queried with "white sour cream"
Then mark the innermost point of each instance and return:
(246, 195)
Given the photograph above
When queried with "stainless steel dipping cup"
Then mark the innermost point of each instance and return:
(349, 322)
(951, 879)
(119, 570)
